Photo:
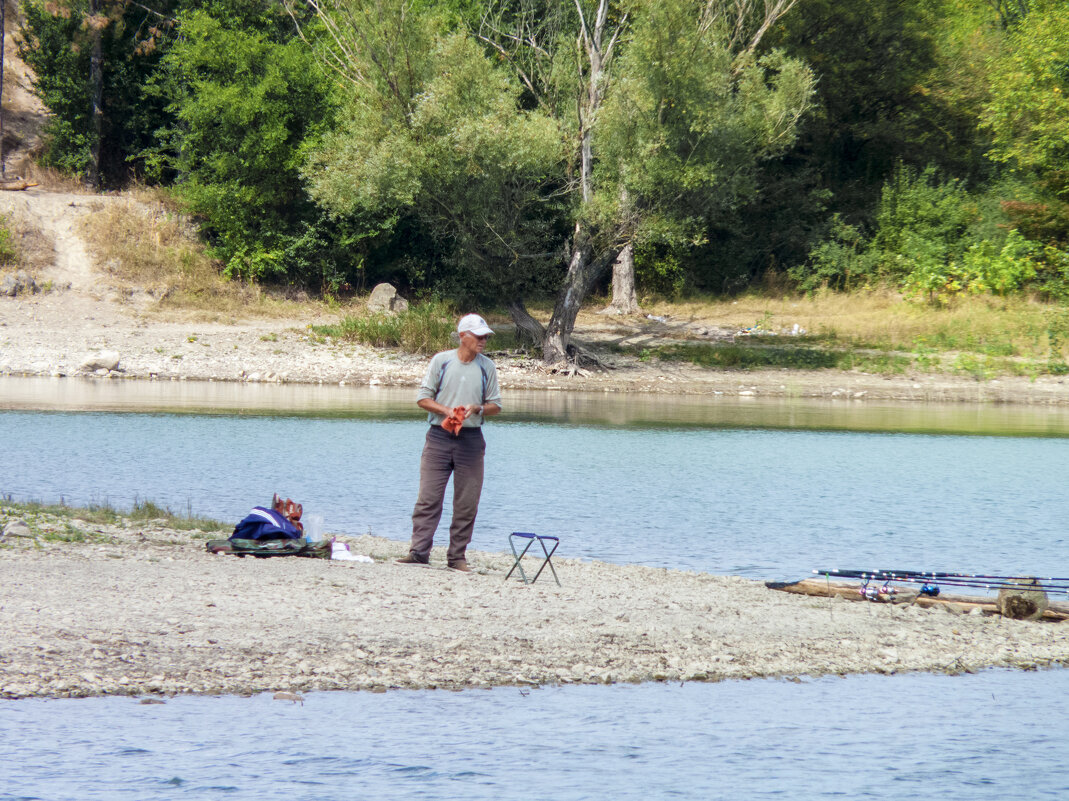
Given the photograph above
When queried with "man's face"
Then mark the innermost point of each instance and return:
(472, 342)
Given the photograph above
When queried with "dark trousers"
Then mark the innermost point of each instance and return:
(445, 454)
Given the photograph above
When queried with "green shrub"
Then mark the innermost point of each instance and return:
(919, 214)
(8, 254)
(925, 270)
(1052, 279)
(843, 261)
(990, 269)
(423, 328)
(979, 368)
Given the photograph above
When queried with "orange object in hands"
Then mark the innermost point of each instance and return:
(453, 423)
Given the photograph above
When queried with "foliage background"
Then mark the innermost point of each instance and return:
(932, 157)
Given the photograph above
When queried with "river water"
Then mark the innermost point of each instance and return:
(767, 490)
(762, 489)
(986, 736)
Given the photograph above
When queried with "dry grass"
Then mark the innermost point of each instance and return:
(883, 319)
(32, 248)
(146, 244)
(51, 179)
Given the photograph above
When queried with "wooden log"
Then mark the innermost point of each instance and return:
(852, 592)
(825, 589)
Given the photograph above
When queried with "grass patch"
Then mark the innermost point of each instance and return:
(23, 245)
(884, 320)
(71, 533)
(100, 514)
(9, 255)
(147, 510)
(423, 328)
(755, 357)
(877, 332)
(745, 357)
(52, 179)
(426, 328)
(106, 514)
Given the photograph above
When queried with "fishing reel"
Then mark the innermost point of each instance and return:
(876, 593)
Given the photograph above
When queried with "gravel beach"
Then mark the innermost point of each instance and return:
(135, 607)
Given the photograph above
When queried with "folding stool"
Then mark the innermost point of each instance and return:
(548, 554)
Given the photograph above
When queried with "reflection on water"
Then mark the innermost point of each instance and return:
(906, 738)
(580, 408)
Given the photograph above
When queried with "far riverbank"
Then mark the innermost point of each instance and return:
(68, 334)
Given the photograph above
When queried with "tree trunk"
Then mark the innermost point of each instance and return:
(3, 30)
(624, 300)
(96, 84)
(569, 300)
(584, 269)
(527, 327)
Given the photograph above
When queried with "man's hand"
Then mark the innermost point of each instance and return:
(455, 420)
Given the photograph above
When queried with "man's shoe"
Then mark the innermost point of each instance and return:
(460, 567)
(410, 560)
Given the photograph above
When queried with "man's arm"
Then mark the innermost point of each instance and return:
(485, 409)
(433, 406)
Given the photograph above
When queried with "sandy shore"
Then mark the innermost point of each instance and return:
(138, 608)
(58, 333)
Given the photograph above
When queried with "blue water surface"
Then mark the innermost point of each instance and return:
(864, 737)
(758, 503)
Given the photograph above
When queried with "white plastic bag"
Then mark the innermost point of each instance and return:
(340, 550)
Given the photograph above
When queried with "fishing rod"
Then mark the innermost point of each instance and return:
(931, 580)
(934, 574)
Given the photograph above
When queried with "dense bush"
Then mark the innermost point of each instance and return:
(934, 240)
(244, 107)
(843, 261)
(56, 43)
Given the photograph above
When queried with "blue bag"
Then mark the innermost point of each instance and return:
(265, 524)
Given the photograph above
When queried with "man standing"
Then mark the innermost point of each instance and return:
(455, 378)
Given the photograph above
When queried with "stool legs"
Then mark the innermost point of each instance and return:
(547, 554)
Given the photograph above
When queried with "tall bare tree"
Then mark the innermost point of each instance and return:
(602, 238)
(744, 23)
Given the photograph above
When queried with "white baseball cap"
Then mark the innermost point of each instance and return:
(475, 324)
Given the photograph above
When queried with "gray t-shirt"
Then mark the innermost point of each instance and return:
(453, 383)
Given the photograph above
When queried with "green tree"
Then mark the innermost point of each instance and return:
(90, 60)
(432, 131)
(246, 107)
(692, 113)
(1029, 106)
(883, 96)
(516, 162)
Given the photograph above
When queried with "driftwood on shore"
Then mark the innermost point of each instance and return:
(961, 603)
(16, 185)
